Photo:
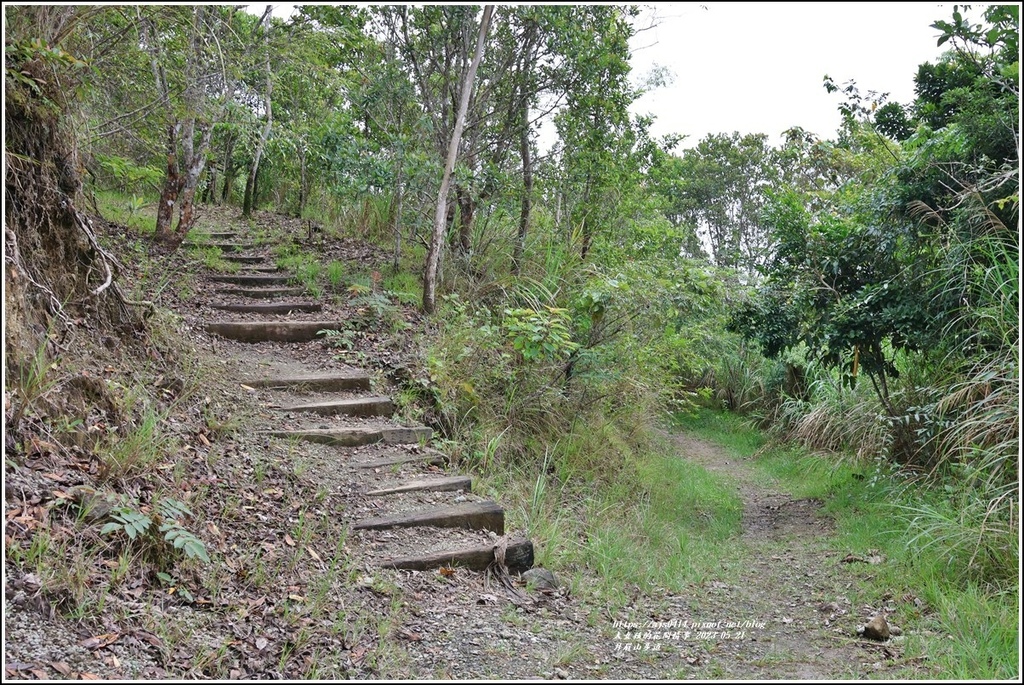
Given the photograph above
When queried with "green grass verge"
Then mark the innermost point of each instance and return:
(962, 627)
(653, 522)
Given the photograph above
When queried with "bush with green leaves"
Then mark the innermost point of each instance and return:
(157, 527)
(540, 335)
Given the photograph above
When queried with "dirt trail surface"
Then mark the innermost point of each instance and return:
(790, 593)
(295, 591)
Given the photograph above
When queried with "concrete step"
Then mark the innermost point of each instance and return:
(390, 460)
(328, 382)
(223, 247)
(271, 307)
(262, 293)
(271, 331)
(360, 406)
(250, 279)
(259, 270)
(361, 435)
(518, 558)
(201, 236)
(244, 258)
(486, 515)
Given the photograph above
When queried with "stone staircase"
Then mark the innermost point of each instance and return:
(404, 512)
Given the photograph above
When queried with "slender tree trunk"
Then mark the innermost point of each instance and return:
(229, 167)
(250, 185)
(467, 211)
(191, 182)
(303, 179)
(172, 186)
(525, 205)
(209, 188)
(437, 237)
(396, 220)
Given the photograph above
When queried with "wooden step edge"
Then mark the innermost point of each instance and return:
(250, 279)
(518, 558)
(357, 437)
(485, 515)
(354, 381)
(243, 258)
(431, 458)
(444, 484)
(271, 331)
(360, 406)
(271, 307)
(266, 294)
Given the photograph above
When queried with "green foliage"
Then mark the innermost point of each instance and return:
(23, 59)
(126, 176)
(158, 526)
(377, 309)
(335, 273)
(539, 335)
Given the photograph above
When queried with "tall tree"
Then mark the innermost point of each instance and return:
(437, 237)
(185, 47)
(250, 184)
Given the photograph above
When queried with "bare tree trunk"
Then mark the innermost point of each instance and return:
(303, 179)
(524, 208)
(396, 220)
(181, 144)
(467, 211)
(194, 171)
(250, 185)
(229, 167)
(209, 189)
(437, 238)
(172, 186)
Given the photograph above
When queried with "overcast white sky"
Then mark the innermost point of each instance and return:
(758, 67)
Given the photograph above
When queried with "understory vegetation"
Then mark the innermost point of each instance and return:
(854, 297)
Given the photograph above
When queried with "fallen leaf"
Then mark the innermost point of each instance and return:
(40, 674)
(313, 553)
(98, 641)
(89, 676)
(61, 667)
(261, 643)
(446, 571)
(149, 637)
(202, 439)
(288, 540)
(297, 598)
(247, 387)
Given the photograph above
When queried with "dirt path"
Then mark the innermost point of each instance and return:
(786, 587)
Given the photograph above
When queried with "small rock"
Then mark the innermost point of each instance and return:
(541, 579)
(561, 674)
(877, 628)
